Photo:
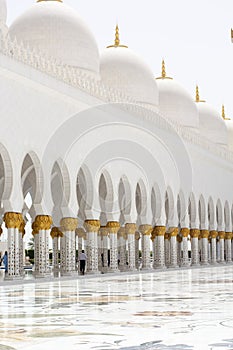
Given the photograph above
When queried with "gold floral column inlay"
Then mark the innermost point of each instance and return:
(204, 233)
(113, 226)
(130, 228)
(194, 233)
(92, 225)
(68, 224)
(185, 231)
(13, 220)
(55, 233)
(146, 230)
(42, 222)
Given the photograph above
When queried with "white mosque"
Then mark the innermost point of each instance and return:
(99, 154)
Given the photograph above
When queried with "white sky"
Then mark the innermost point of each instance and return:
(192, 36)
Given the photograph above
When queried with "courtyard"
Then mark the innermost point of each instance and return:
(171, 309)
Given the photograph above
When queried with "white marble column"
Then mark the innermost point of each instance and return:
(146, 231)
(105, 243)
(213, 235)
(185, 259)
(173, 232)
(158, 234)
(68, 228)
(194, 233)
(41, 229)
(221, 235)
(100, 250)
(13, 222)
(179, 250)
(154, 240)
(228, 249)
(122, 248)
(204, 247)
(167, 249)
(130, 230)
(137, 238)
(21, 249)
(113, 228)
(56, 234)
(92, 228)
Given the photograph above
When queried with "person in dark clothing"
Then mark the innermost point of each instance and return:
(82, 262)
(5, 261)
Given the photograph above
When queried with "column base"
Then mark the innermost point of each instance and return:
(13, 278)
(222, 262)
(70, 273)
(97, 272)
(204, 264)
(160, 267)
(195, 265)
(173, 266)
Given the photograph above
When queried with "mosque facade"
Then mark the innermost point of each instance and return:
(99, 154)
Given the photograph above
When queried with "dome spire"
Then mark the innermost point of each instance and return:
(163, 73)
(223, 113)
(197, 95)
(117, 39)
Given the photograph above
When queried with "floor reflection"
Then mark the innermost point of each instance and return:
(185, 309)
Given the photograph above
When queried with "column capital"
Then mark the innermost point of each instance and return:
(185, 231)
(55, 232)
(92, 225)
(121, 232)
(173, 231)
(1, 231)
(146, 230)
(221, 234)
(137, 235)
(167, 235)
(113, 226)
(213, 234)
(204, 233)
(130, 228)
(179, 238)
(194, 233)
(104, 231)
(158, 231)
(13, 220)
(69, 224)
(80, 232)
(42, 222)
(228, 235)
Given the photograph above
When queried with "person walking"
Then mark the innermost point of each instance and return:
(82, 262)
(5, 261)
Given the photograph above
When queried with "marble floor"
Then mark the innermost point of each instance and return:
(174, 309)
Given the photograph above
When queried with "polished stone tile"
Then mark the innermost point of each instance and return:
(174, 309)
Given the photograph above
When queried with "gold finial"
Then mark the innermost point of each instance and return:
(223, 113)
(117, 39)
(163, 74)
(197, 95)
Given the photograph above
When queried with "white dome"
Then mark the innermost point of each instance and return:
(3, 11)
(229, 125)
(176, 104)
(212, 125)
(123, 70)
(57, 31)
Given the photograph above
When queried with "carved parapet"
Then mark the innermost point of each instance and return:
(113, 226)
(204, 233)
(68, 224)
(146, 230)
(221, 234)
(228, 235)
(92, 225)
(185, 231)
(194, 233)
(55, 233)
(213, 234)
(13, 220)
(173, 231)
(158, 231)
(42, 222)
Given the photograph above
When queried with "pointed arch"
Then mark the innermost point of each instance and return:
(202, 211)
(227, 217)
(124, 198)
(169, 205)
